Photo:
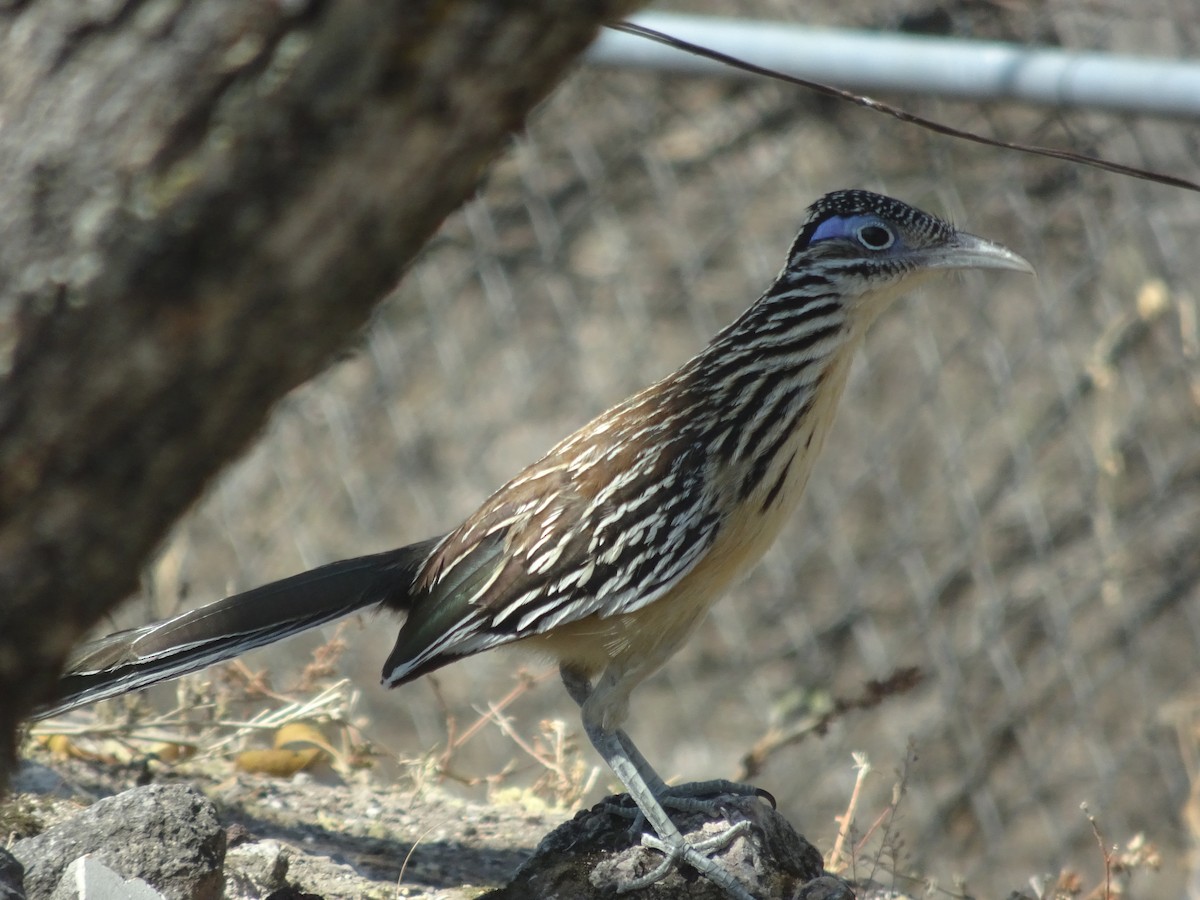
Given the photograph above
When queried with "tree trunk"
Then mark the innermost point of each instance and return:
(200, 201)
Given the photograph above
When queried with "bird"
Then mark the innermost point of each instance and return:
(606, 553)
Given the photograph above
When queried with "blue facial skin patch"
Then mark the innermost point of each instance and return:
(867, 230)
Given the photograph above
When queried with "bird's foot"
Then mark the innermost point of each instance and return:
(692, 797)
(679, 851)
(705, 796)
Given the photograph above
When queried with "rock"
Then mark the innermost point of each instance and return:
(256, 869)
(831, 887)
(35, 778)
(586, 858)
(89, 879)
(166, 835)
(12, 877)
(274, 870)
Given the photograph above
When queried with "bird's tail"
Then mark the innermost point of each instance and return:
(139, 657)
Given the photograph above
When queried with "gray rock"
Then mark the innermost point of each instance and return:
(586, 858)
(89, 879)
(12, 877)
(167, 835)
(35, 778)
(256, 870)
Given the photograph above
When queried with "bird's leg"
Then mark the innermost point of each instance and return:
(641, 781)
(669, 841)
(580, 688)
(691, 797)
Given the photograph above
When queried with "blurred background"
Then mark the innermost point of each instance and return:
(1010, 500)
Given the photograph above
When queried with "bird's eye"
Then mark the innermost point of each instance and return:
(875, 237)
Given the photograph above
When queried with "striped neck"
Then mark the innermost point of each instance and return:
(765, 366)
(755, 385)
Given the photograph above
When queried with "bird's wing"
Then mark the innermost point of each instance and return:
(563, 541)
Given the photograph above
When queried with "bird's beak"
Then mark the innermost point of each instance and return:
(966, 251)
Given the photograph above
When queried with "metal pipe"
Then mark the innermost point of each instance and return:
(864, 61)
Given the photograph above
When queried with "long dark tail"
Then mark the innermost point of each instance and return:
(139, 657)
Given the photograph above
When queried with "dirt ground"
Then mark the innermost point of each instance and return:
(357, 839)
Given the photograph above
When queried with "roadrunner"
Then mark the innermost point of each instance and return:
(607, 552)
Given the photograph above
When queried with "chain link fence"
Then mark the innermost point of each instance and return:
(1010, 500)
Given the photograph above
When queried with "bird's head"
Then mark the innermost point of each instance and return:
(874, 247)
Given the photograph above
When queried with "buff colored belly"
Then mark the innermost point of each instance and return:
(655, 631)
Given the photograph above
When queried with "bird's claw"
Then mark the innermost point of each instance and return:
(696, 855)
(693, 797)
